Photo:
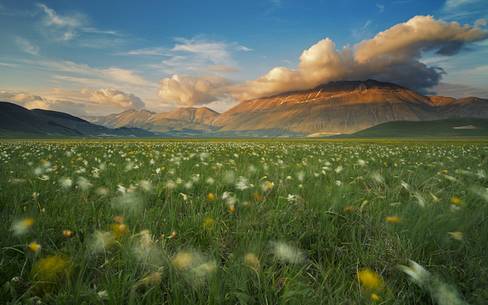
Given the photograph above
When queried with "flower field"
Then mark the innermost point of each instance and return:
(263, 222)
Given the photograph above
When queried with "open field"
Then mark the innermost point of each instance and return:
(243, 222)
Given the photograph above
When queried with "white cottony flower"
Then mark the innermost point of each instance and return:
(101, 241)
(418, 273)
(84, 184)
(287, 253)
(242, 184)
(442, 293)
(65, 182)
(210, 180)
(145, 185)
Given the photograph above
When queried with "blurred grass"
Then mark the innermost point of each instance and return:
(337, 220)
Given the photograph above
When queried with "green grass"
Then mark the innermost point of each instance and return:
(327, 209)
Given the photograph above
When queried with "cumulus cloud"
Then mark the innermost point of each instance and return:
(116, 98)
(190, 91)
(77, 102)
(393, 55)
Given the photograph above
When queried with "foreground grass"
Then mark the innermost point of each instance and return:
(245, 222)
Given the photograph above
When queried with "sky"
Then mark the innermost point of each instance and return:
(100, 57)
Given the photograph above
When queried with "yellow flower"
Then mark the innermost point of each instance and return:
(258, 197)
(456, 235)
(68, 233)
(392, 219)
(34, 247)
(182, 260)
(456, 200)
(22, 226)
(172, 235)
(208, 223)
(50, 268)
(232, 209)
(119, 229)
(369, 279)
(348, 209)
(211, 197)
(375, 297)
(252, 261)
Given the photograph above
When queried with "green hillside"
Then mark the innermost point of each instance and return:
(414, 129)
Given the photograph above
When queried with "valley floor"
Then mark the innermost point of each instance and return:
(293, 221)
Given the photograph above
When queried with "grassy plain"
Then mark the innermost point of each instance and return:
(243, 222)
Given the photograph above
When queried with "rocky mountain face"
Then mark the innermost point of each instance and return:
(179, 119)
(333, 108)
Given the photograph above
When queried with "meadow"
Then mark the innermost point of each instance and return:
(243, 222)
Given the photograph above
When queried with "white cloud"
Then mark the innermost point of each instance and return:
(195, 55)
(77, 102)
(27, 46)
(393, 55)
(189, 91)
(69, 27)
(116, 98)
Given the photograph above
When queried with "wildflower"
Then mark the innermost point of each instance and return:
(34, 247)
(103, 294)
(349, 209)
(193, 265)
(455, 200)
(146, 251)
(129, 203)
(392, 219)
(102, 191)
(65, 182)
(172, 235)
(456, 235)
(442, 293)
(101, 241)
(211, 197)
(242, 184)
(287, 253)
(145, 185)
(375, 297)
(182, 260)
(418, 273)
(119, 230)
(251, 260)
(51, 268)
(84, 184)
(370, 279)
(68, 233)
(267, 186)
(152, 279)
(258, 197)
(208, 223)
(22, 226)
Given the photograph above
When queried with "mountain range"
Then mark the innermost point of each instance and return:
(19, 121)
(333, 108)
(342, 107)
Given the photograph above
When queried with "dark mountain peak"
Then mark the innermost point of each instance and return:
(58, 115)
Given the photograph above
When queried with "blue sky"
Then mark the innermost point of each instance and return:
(91, 57)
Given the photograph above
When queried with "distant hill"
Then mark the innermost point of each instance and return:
(465, 127)
(18, 121)
(180, 119)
